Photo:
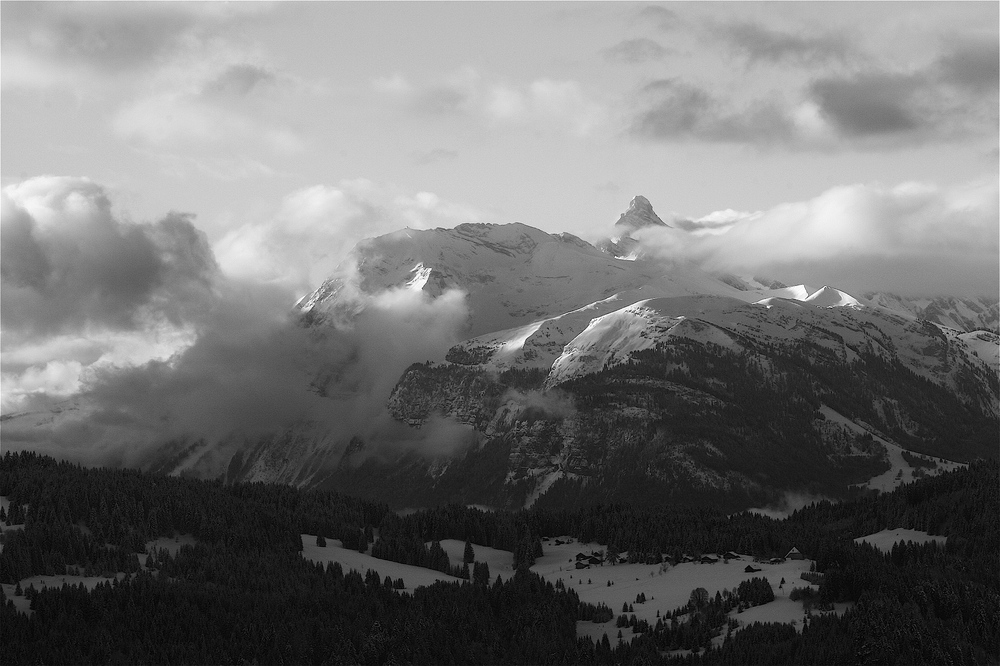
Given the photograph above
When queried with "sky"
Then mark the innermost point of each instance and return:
(173, 171)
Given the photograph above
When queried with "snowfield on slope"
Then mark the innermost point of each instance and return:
(900, 471)
(886, 539)
(349, 559)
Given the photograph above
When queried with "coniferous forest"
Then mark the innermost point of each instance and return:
(243, 593)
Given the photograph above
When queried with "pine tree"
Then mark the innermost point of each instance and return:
(321, 541)
(470, 555)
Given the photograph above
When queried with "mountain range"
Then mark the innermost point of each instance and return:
(595, 373)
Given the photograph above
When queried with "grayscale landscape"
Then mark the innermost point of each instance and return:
(603, 332)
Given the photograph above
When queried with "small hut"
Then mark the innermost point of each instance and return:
(795, 554)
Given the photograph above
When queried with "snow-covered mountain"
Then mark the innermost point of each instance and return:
(589, 372)
(550, 314)
(963, 314)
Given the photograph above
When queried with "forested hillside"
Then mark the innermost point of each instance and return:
(244, 594)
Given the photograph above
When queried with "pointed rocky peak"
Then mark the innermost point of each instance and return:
(639, 214)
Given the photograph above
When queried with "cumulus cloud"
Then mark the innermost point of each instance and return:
(255, 372)
(68, 261)
(635, 51)
(561, 105)
(185, 353)
(316, 227)
(913, 238)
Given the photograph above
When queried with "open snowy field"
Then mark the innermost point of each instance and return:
(334, 551)
(501, 562)
(668, 588)
(21, 603)
(885, 539)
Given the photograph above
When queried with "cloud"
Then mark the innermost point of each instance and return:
(658, 16)
(914, 238)
(197, 123)
(64, 44)
(174, 352)
(97, 35)
(316, 227)
(757, 43)
(635, 51)
(239, 80)
(973, 63)
(560, 105)
(678, 110)
(953, 97)
(254, 373)
(870, 104)
(68, 262)
(943, 101)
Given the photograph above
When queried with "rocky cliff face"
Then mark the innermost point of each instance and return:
(733, 403)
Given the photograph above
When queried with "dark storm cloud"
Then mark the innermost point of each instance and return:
(68, 262)
(679, 110)
(870, 104)
(635, 51)
(757, 43)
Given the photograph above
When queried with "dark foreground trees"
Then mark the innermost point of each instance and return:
(244, 594)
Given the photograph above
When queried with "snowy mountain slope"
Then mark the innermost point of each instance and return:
(828, 297)
(512, 274)
(845, 332)
(611, 339)
(566, 310)
(591, 373)
(963, 314)
(516, 277)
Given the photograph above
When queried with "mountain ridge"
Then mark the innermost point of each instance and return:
(574, 360)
